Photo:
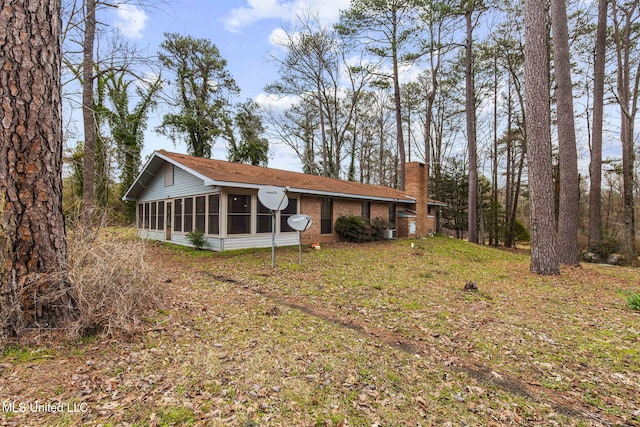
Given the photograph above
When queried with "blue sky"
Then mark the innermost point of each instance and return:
(243, 31)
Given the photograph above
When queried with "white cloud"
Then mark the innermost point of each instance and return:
(130, 20)
(409, 73)
(147, 80)
(281, 156)
(277, 103)
(278, 37)
(327, 10)
(281, 39)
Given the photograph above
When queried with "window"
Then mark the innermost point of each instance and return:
(392, 215)
(286, 213)
(263, 219)
(177, 217)
(214, 214)
(326, 216)
(154, 216)
(168, 175)
(160, 215)
(239, 214)
(201, 215)
(366, 210)
(188, 214)
(140, 215)
(146, 215)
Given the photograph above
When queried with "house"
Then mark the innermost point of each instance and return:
(177, 193)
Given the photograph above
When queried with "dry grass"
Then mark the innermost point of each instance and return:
(377, 334)
(112, 282)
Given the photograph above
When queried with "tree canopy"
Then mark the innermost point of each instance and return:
(202, 87)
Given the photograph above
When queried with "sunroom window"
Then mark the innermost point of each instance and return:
(238, 214)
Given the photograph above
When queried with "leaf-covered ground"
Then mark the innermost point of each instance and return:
(358, 335)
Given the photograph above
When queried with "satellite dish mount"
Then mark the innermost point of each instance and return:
(275, 199)
(300, 223)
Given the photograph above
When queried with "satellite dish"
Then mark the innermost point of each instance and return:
(273, 198)
(300, 222)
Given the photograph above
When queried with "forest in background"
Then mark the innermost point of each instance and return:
(391, 82)
(39, 287)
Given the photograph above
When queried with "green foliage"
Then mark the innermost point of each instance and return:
(75, 160)
(197, 239)
(202, 96)
(605, 248)
(387, 29)
(119, 138)
(453, 189)
(252, 147)
(520, 232)
(127, 127)
(379, 225)
(352, 228)
(176, 415)
(633, 301)
(357, 229)
(24, 354)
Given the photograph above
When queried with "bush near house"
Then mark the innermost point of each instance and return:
(357, 229)
(197, 239)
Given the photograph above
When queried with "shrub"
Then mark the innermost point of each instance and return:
(357, 229)
(113, 284)
(379, 226)
(352, 228)
(197, 239)
(605, 248)
(520, 232)
(633, 300)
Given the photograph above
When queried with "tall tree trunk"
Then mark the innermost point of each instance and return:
(544, 259)
(34, 288)
(627, 99)
(88, 119)
(398, 106)
(427, 128)
(508, 237)
(323, 133)
(516, 195)
(431, 92)
(567, 152)
(493, 236)
(351, 176)
(595, 164)
(381, 152)
(470, 107)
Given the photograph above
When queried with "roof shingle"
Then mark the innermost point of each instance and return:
(227, 172)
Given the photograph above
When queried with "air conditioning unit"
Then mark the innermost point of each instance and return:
(390, 233)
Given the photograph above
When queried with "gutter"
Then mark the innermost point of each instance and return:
(408, 200)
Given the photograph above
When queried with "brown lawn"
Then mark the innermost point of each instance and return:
(358, 335)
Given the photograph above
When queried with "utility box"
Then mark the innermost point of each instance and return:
(406, 223)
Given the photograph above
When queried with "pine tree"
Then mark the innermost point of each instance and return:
(34, 288)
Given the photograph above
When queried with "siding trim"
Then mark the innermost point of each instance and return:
(207, 181)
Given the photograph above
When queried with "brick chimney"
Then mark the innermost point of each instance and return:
(416, 185)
